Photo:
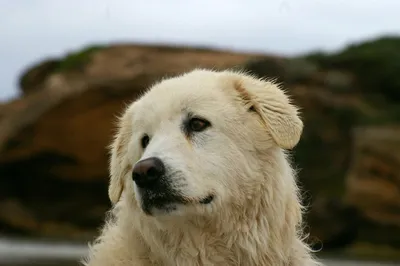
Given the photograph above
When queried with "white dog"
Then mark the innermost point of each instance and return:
(199, 176)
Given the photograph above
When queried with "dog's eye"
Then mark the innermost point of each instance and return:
(145, 141)
(198, 124)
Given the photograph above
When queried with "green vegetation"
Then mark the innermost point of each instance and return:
(77, 59)
(338, 81)
(299, 70)
(375, 63)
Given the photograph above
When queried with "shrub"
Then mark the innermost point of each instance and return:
(78, 59)
(338, 81)
(375, 64)
(299, 70)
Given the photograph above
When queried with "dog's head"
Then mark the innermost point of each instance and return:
(192, 144)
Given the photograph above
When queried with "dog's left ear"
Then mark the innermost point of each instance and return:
(117, 167)
(270, 102)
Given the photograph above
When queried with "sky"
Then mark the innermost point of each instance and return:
(33, 30)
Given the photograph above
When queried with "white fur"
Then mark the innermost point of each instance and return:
(256, 217)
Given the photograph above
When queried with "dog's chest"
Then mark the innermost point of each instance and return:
(193, 250)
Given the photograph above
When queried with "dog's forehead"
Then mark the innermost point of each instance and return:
(190, 92)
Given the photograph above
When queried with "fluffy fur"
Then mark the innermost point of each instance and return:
(255, 217)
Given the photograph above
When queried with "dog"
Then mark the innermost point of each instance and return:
(200, 174)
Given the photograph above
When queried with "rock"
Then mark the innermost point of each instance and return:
(373, 182)
(21, 217)
(332, 224)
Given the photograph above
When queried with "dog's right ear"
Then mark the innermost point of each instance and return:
(269, 101)
(117, 167)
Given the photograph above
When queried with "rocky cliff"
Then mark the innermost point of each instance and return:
(53, 171)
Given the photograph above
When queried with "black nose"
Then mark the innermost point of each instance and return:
(147, 173)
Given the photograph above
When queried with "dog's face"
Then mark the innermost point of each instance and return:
(191, 144)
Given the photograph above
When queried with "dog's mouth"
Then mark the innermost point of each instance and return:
(151, 201)
(167, 202)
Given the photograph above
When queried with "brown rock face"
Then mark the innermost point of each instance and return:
(373, 183)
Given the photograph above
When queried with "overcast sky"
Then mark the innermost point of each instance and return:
(31, 30)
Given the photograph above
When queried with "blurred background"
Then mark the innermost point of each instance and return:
(69, 65)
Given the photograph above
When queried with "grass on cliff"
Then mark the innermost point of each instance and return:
(77, 59)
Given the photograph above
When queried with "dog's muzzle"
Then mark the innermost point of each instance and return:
(154, 187)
